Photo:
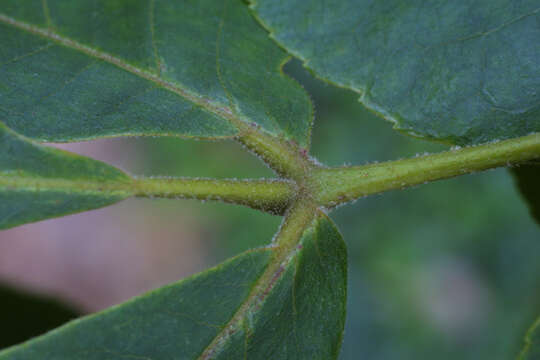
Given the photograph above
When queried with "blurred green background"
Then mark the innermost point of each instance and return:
(447, 270)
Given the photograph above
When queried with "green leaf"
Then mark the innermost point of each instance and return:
(86, 69)
(25, 316)
(528, 179)
(460, 71)
(39, 182)
(531, 351)
(235, 310)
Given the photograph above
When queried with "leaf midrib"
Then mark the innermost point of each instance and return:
(295, 223)
(207, 104)
(281, 155)
(101, 188)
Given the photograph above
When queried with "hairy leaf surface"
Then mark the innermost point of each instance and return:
(464, 72)
(39, 182)
(531, 351)
(528, 180)
(85, 69)
(223, 313)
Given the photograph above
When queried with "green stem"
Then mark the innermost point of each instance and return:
(272, 196)
(334, 186)
(285, 158)
(297, 219)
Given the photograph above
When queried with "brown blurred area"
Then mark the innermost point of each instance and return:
(102, 257)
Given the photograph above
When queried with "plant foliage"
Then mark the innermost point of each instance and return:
(455, 71)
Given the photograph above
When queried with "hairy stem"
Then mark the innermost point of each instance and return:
(334, 186)
(285, 158)
(297, 218)
(272, 196)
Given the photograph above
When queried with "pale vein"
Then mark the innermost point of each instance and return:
(207, 104)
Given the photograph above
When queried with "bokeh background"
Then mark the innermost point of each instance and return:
(447, 270)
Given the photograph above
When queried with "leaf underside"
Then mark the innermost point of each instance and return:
(87, 69)
(299, 315)
(39, 182)
(464, 72)
(531, 351)
(72, 70)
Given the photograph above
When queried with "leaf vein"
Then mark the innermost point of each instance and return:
(151, 18)
(46, 13)
(28, 54)
(70, 80)
(298, 217)
(207, 104)
(218, 60)
(493, 30)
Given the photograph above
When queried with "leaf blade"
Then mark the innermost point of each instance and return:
(144, 68)
(173, 308)
(26, 168)
(448, 77)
